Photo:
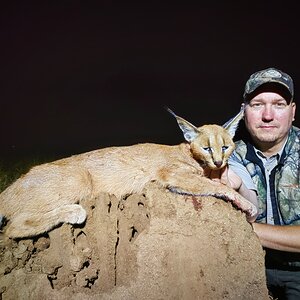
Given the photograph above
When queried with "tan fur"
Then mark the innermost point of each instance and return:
(49, 193)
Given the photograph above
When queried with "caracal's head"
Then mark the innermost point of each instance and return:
(211, 145)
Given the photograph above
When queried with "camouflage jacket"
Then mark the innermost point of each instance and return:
(284, 186)
(284, 179)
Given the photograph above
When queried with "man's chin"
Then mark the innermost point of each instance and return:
(266, 138)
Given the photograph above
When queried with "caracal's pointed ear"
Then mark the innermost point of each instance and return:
(232, 125)
(190, 132)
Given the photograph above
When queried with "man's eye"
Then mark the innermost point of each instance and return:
(256, 104)
(281, 104)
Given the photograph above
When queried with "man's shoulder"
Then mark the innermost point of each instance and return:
(293, 142)
(240, 144)
(294, 136)
(296, 130)
(239, 151)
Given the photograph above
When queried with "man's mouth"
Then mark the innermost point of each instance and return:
(267, 127)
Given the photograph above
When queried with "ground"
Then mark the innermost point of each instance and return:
(154, 245)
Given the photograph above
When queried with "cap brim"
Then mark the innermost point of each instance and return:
(269, 86)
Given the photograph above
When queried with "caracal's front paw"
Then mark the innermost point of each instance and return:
(75, 214)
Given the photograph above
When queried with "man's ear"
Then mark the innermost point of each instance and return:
(190, 132)
(232, 125)
(294, 110)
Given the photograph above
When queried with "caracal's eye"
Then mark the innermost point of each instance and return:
(207, 149)
(224, 148)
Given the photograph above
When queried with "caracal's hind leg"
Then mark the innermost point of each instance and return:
(199, 185)
(27, 224)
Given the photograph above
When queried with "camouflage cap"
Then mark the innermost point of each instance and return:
(270, 75)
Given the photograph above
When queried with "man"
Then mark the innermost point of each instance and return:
(268, 162)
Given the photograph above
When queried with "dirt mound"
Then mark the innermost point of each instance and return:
(155, 245)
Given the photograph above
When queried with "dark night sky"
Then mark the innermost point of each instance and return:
(77, 77)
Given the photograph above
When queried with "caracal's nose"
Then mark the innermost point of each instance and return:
(218, 163)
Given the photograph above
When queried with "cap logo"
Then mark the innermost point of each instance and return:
(271, 73)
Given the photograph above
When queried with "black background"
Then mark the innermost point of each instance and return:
(76, 76)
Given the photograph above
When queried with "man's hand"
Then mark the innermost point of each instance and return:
(225, 176)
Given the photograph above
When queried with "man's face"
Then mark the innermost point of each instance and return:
(268, 118)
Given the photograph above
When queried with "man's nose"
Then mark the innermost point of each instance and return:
(268, 113)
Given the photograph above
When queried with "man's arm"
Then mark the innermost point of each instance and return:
(249, 195)
(278, 237)
(228, 177)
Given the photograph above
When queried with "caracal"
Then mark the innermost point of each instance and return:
(49, 194)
